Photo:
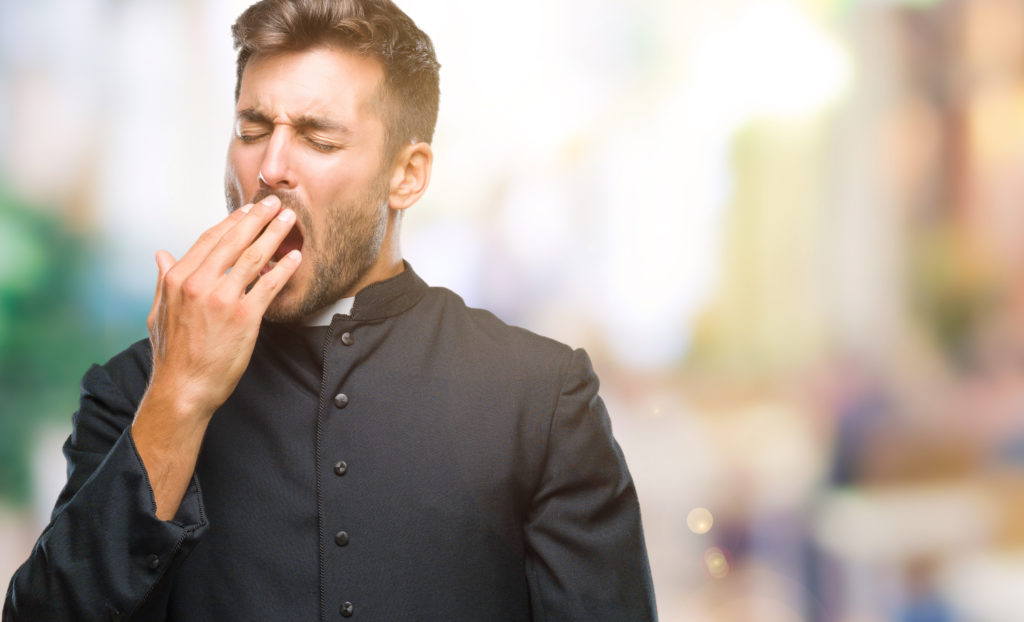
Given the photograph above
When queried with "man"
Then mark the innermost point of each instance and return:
(313, 433)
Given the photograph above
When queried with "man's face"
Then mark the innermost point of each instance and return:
(307, 129)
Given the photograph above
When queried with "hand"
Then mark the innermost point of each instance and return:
(203, 326)
(205, 317)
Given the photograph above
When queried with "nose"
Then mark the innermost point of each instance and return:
(275, 168)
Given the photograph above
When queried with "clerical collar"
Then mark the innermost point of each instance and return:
(376, 301)
(324, 316)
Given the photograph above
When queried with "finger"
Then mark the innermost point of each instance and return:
(270, 284)
(238, 238)
(255, 257)
(209, 239)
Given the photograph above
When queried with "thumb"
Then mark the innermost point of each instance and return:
(164, 262)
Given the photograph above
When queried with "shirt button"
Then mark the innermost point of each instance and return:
(153, 561)
(346, 338)
(341, 400)
(340, 467)
(341, 538)
(347, 609)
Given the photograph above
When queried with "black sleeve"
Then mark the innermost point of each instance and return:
(586, 557)
(105, 555)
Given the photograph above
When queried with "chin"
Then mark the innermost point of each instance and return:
(286, 308)
(280, 315)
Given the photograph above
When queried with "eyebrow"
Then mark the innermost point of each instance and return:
(304, 123)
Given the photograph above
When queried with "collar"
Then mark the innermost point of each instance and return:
(376, 301)
(324, 316)
(389, 298)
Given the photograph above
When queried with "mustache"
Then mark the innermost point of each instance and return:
(290, 201)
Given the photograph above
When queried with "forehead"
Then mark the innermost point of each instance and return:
(321, 81)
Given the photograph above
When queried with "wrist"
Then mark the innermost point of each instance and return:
(178, 401)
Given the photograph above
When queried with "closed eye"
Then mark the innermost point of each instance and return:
(322, 146)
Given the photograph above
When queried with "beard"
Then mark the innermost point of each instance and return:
(340, 255)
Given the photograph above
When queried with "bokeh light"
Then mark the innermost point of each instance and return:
(716, 562)
(700, 520)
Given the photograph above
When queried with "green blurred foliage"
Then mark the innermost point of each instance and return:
(51, 330)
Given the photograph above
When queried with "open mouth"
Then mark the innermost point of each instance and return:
(292, 241)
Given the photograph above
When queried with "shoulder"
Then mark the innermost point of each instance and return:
(110, 396)
(481, 336)
(124, 377)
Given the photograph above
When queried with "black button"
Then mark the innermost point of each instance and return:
(341, 538)
(153, 561)
(340, 467)
(347, 609)
(341, 400)
(346, 338)
(115, 615)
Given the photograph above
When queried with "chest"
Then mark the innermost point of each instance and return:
(379, 496)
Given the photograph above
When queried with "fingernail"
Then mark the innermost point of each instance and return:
(245, 208)
(294, 254)
(271, 201)
(286, 216)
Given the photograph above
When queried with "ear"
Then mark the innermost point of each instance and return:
(410, 175)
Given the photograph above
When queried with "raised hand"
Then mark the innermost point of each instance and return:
(203, 326)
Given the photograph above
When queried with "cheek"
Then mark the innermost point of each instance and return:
(338, 190)
(231, 185)
(242, 168)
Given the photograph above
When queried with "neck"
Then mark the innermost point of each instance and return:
(388, 263)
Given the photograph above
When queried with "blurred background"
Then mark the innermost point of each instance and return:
(788, 232)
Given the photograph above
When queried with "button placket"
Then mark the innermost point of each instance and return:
(341, 400)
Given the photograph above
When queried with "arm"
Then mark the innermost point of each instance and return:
(586, 558)
(104, 551)
(132, 510)
(203, 327)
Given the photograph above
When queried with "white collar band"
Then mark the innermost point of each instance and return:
(324, 316)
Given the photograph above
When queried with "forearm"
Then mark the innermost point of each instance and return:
(203, 327)
(168, 433)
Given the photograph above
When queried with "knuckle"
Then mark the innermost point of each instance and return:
(207, 237)
(191, 288)
(254, 255)
(231, 236)
(268, 281)
(173, 279)
(223, 298)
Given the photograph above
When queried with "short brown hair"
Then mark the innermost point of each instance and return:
(375, 28)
